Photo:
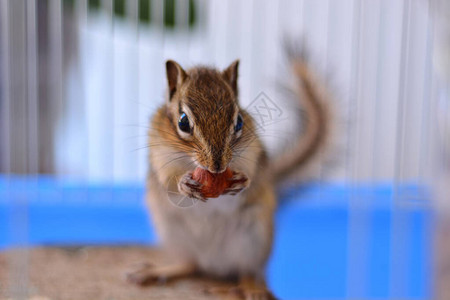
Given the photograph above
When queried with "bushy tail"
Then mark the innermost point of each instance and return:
(317, 123)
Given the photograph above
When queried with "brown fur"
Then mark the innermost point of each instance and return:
(231, 235)
(212, 101)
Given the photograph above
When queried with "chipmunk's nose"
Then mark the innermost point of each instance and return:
(218, 161)
(217, 165)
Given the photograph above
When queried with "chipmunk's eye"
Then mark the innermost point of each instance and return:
(239, 123)
(183, 123)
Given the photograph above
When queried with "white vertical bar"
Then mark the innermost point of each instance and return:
(127, 88)
(95, 58)
(354, 89)
(157, 22)
(218, 29)
(417, 48)
(56, 85)
(142, 106)
(378, 71)
(250, 41)
(33, 115)
(357, 269)
(291, 18)
(157, 83)
(271, 42)
(402, 101)
(183, 30)
(233, 27)
(257, 39)
(6, 85)
(108, 98)
(82, 9)
(340, 58)
(132, 12)
(426, 155)
(246, 14)
(209, 46)
(182, 13)
(108, 7)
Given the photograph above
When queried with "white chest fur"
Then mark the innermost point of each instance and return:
(224, 204)
(220, 236)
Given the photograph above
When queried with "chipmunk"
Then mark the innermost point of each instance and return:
(203, 125)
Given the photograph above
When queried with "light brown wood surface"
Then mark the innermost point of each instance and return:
(85, 273)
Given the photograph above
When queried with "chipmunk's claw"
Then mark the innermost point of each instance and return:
(144, 275)
(190, 187)
(239, 182)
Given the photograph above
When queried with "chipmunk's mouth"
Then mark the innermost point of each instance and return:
(213, 170)
(217, 172)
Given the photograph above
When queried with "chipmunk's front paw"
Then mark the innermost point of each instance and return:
(190, 187)
(256, 294)
(148, 274)
(143, 275)
(240, 181)
(239, 292)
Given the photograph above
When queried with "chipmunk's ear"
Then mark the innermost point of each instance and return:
(175, 76)
(231, 75)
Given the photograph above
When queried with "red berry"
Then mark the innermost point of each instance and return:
(213, 184)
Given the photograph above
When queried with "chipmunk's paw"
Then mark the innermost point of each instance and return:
(240, 181)
(254, 293)
(240, 292)
(148, 273)
(144, 275)
(190, 187)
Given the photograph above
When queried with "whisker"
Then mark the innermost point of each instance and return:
(173, 160)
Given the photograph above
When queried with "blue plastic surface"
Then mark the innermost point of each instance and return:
(386, 253)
